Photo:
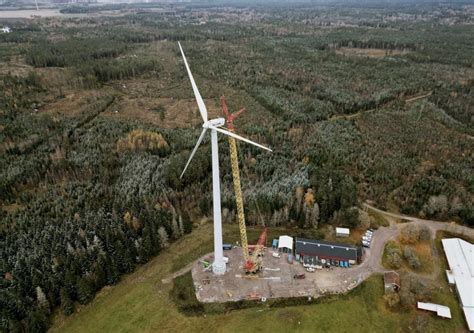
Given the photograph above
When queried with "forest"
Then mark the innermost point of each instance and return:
(97, 119)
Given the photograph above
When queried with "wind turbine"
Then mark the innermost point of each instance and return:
(214, 125)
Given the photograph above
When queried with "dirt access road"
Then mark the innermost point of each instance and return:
(434, 226)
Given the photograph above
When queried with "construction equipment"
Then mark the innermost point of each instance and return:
(214, 126)
(253, 262)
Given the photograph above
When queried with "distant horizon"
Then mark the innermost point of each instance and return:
(217, 2)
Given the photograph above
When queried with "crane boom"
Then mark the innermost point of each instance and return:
(238, 197)
(252, 263)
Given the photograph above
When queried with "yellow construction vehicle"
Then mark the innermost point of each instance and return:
(253, 262)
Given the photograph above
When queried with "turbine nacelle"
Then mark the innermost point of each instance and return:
(218, 122)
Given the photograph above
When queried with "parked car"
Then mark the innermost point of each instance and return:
(318, 267)
(310, 269)
(299, 276)
(276, 255)
(365, 244)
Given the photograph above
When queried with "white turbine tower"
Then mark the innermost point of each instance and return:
(218, 266)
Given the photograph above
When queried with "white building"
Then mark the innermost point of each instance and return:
(460, 255)
(342, 232)
(441, 310)
(6, 30)
(285, 244)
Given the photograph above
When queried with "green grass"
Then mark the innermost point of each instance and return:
(142, 303)
(378, 220)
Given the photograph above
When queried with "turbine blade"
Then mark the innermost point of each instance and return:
(199, 100)
(239, 137)
(194, 151)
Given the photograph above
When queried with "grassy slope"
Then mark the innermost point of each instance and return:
(141, 303)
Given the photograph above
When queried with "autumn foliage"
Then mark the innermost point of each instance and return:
(139, 140)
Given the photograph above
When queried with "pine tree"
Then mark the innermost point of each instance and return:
(163, 237)
(147, 241)
(112, 271)
(187, 223)
(42, 300)
(315, 215)
(85, 290)
(175, 228)
(70, 281)
(180, 225)
(67, 304)
(36, 321)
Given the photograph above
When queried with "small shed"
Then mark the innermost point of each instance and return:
(342, 232)
(275, 243)
(285, 244)
(441, 310)
(391, 282)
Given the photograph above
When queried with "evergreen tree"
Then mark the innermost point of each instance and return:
(42, 300)
(67, 305)
(163, 237)
(37, 321)
(85, 290)
(112, 271)
(187, 223)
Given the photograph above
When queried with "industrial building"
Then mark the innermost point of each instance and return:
(460, 256)
(314, 252)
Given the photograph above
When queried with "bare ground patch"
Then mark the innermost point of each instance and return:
(163, 112)
(73, 103)
(372, 53)
(15, 66)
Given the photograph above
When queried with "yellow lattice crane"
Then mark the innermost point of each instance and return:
(253, 263)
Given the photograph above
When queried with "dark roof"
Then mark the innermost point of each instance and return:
(325, 249)
(392, 278)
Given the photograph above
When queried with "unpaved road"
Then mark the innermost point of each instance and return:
(182, 271)
(433, 225)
